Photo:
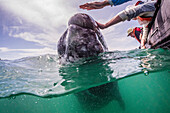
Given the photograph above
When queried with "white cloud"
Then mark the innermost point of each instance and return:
(48, 40)
(4, 49)
(43, 19)
(10, 54)
(47, 13)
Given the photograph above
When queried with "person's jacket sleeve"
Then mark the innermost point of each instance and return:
(147, 10)
(117, 2)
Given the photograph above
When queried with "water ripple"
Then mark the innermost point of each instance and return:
(43, 75)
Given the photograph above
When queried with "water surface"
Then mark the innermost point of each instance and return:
(142, 77)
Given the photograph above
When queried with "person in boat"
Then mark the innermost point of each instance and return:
(135, 33)
(141, 11)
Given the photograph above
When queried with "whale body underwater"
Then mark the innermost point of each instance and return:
(82, 39)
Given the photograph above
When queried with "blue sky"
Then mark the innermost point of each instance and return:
(33, 27)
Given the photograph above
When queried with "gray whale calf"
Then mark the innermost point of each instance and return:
(83, 39)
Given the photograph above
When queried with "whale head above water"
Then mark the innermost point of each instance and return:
(82, 39)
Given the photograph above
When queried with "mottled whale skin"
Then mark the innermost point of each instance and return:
(83, 39)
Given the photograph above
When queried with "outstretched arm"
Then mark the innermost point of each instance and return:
(130, 13)
(99, 5)
(95, 5)
(113, 21)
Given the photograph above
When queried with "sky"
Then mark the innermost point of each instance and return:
(33, 27)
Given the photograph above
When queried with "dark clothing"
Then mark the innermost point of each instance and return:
(159, 34)
(137, 31)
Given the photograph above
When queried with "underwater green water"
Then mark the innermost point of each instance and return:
(134, 81)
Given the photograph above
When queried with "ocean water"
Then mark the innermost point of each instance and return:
(135, 81)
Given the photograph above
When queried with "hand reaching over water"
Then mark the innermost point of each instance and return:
(94, 5)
